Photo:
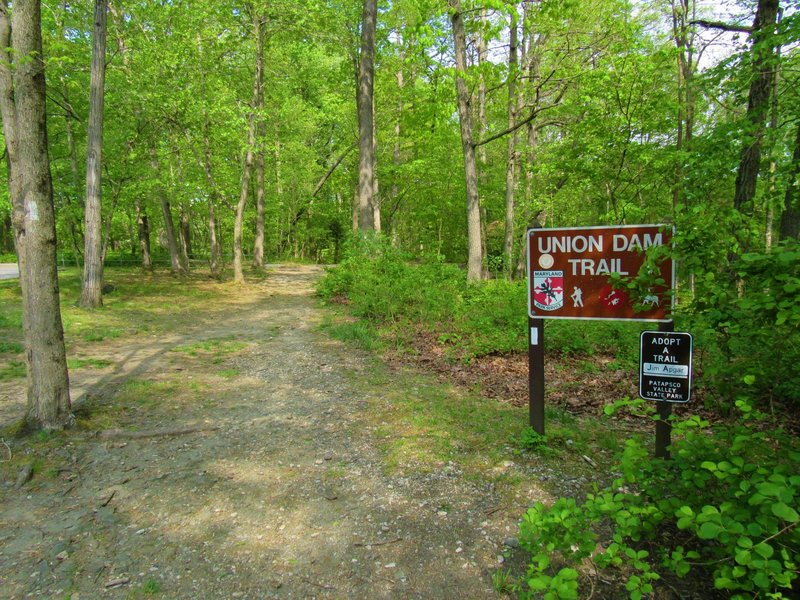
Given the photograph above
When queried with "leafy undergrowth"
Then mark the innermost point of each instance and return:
(718, 520)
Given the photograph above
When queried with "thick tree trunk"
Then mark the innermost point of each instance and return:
(511, 151)
(143, 230)
(366, 144)
(763, 53)
(22, 103)
(790, 219)
(92, 285)
(247, 171)
(475, 254)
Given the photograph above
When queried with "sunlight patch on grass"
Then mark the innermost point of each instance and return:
(92, 363)
(14, 369)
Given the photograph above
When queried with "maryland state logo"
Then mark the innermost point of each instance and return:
(548, 289)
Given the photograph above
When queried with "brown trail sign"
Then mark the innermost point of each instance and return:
(570, 274)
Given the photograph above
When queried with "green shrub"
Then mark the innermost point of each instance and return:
(724, 508)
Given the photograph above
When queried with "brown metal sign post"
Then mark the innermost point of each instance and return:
(569, 272)
(536, 374)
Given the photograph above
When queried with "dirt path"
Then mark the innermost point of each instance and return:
(281, 493)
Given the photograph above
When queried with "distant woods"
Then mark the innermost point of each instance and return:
(220, 134)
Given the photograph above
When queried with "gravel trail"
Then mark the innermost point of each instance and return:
(272, 486)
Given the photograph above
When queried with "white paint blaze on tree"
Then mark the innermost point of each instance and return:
(22, 104)
(91, 289)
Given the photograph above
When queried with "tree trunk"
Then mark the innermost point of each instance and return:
(790, 219)
(22, 103)
(186, 236)
(511, 160)
(682, 13)
(143, 230)
(247, 171)
(258, 246)
(6, 234)
(238, 223)
(215, 265)
(366, 144)
(169, 226)
(92, 285)
(397, 157)
(480, 45)
(475, 254)
(105, 239)
(763, 54)
(75, 235)
(376, 196)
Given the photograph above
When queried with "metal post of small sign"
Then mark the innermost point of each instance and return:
(663, 425)
(536, 374)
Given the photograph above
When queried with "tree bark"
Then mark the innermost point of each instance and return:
(143, 230)
(376, 196)
(763, 53)
(247, 171)
(186, 235)
(215, 264)
(511, 152)
(258, 245)
(366, 123)
(169, 227)
(22, 104)
(790, 219)
(682, 13)
(76, 240)
(92, 285)
(475, 254)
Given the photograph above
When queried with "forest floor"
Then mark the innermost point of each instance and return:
(240, 452)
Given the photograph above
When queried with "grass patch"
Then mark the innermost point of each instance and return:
(101, 334)
(93, 363)
(217, 347)
(359, 333)
(11, 347)
(229, 373)
(14, 369)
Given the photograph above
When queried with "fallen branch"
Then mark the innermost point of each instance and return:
(108, 500)
(118, 582)
(115, 434)
(378, 543)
